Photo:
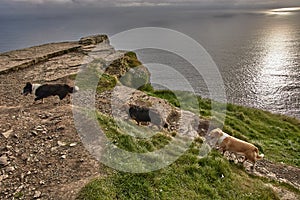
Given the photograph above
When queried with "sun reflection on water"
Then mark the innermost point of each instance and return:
(275, 67)
(283, 11)
(276, 52)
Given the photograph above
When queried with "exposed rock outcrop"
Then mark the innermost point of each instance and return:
(41, 154)
(93, 40)
(34, 163)
(23, 58)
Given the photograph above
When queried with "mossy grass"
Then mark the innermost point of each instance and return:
(212, 177)
(131, 137)
(190, 177)
(132, 59)
(277, 136)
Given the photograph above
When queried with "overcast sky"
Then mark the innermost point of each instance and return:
(17, 4)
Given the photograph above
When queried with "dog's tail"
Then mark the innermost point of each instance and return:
(258, 156)
(73, 89)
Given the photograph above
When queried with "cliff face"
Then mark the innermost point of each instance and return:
(57, 60)
(41, 154)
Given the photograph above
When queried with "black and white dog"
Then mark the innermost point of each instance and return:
(47, 90)
(145, 115)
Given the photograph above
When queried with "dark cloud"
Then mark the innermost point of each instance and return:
(125, 3)
(48, 7)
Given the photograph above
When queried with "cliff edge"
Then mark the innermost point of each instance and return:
(41, 153)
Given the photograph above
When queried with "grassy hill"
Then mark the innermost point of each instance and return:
(277, 136)
(212, 177)
(190, 177)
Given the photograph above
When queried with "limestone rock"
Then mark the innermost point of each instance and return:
(7, 133)
(37, 194)
(94, 39)
(3, 161)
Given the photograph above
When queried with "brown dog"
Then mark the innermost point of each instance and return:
(234, 145)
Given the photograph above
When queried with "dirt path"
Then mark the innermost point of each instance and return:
(282, 173)
(41, 154)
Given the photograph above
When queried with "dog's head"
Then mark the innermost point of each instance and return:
(27, 89)
(214, 136)
(216, 133)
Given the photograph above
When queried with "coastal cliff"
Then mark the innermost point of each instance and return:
(41, 152)
(40, 140)
(42, 156)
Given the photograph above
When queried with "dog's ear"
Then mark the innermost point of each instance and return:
(28, 84)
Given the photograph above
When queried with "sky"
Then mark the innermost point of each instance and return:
(29, 5)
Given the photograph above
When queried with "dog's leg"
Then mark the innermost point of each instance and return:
(234, 157)
(222, 151)
(243, 159)
(253, 167)
(39, 98)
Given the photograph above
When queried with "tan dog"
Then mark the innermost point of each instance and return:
(234, 145)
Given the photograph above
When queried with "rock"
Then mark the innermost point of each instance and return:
(53, 149)
(37, 194)
(60, 128)
(3, 161)
(39, 128)
(42, 182)
(7, 133)
(19, 189)
(63, 156)
(44, 116)
(10, 169)
(94, 39)
(34, 133)
(2, 177)
(272, 175)
(61, 144)
(22, 176)
(73, 144)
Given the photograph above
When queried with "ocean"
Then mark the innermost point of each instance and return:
(257, 52)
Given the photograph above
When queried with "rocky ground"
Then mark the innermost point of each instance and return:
(41, 154)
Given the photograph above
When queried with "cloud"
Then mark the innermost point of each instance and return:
(135, 3)
(42, 1)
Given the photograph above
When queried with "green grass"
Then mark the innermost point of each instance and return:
(131, 137)
(190, 177)
(106, 82)
(277, 136)
(128, 70)
(137, 75)
(132, 59)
